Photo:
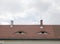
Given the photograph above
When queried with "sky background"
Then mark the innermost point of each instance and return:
(30, 12)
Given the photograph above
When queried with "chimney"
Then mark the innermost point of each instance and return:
(41, 23)
(11, 25)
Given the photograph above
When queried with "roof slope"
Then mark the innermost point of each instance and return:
(30, 32)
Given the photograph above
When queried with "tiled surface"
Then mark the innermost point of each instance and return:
(29, 32)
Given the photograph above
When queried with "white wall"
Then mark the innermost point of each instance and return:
(29, 42)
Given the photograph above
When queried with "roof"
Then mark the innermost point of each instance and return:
(30, 32)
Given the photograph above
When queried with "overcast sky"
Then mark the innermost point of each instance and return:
(30, 11)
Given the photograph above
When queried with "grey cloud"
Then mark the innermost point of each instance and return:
(10, 6)
(54, 17)
(40, 6)
(34, 9)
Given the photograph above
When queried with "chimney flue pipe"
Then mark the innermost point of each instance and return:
(11, 25)
(41, 24)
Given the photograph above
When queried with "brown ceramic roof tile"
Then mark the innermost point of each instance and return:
(29, 32)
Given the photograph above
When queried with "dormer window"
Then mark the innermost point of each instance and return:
(42, 32)
(20, 32)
